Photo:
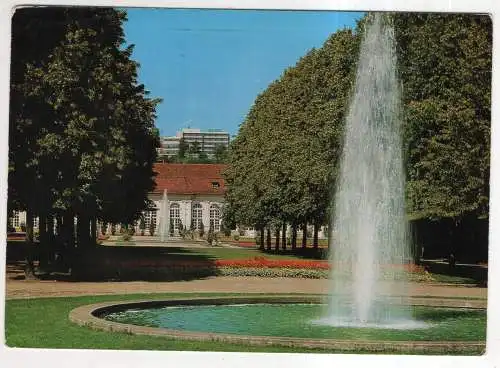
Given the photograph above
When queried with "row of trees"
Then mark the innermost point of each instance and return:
(82, 141)
(283, 162)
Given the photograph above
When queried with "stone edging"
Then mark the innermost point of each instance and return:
(88, 316)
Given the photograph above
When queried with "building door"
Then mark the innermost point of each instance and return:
(175, 218)
(196, 216)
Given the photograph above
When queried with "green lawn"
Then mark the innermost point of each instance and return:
(238, 253)
(44, 323)
(184, 253)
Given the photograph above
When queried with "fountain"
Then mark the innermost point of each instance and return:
(369, 308)
(369, 227)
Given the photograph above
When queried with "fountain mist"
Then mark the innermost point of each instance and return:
(369, 234)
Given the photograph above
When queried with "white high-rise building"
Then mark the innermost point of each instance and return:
(207, 140)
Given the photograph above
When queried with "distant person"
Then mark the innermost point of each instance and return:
(451, 260)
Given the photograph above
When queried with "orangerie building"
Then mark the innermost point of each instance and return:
(192, 192)
(184, 194)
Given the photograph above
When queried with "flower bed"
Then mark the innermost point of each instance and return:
(273, 272)
(258, 267)
(262, 262)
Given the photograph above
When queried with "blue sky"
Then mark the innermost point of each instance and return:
(209, 65)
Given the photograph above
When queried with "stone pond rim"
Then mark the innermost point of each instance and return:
(89, 316)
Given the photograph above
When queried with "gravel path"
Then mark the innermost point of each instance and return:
(16, 289)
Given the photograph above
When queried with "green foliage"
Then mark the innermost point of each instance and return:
(201, 230)
(142, 225)
(283, 163)
(82, 127)
(445, 65)
(211, 236)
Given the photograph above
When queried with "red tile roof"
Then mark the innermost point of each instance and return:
(189, 178)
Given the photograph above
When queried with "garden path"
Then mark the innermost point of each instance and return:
(32, 289)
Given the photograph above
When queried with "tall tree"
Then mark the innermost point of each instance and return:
(94, 143)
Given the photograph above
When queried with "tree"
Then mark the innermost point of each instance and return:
(91, 141)
(445, 65)
(294, 129)
(183, 148)
(220, 154)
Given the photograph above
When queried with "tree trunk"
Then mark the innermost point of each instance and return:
(283, 237)
(277, 241)
(83, 231)
(93, 231)
(261, 246)
(294, 237)
(51, 235)
(304, 235)
(43, 241)
(269, 239)
(315, 236)
(29, 268)
(68, 230)
(67, 238)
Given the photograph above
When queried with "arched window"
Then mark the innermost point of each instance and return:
(175, 217)
(215, 217)
(196, 216)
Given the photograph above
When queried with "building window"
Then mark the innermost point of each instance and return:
(150, 218)
(215, 217)
(215, 185)
(15, 219)
(36, 222)
(175, 216)
(196, 216)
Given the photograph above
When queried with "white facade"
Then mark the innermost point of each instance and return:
(169, 146)
(188, 209)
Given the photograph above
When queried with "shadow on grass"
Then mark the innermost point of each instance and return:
(301, 253)
(459, 273)
(102, 263)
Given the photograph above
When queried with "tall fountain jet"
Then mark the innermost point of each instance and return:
(369, 230)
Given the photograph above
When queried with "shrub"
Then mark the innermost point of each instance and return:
(211, 235)
(171, 228)
(130, 230)
(142, 226)
(225, 229)
(22, 225)
(152, 228)
(202, 229)
(104, 227)
(126, 237)
(113, 229)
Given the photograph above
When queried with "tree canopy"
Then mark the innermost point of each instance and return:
(283, 163)
(82, 136)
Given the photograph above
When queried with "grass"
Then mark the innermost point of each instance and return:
(214, 253)
(135, 252)
(452, 279)
(44, 323)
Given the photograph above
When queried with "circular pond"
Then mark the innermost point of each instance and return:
(451, 326)
(301, 320)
